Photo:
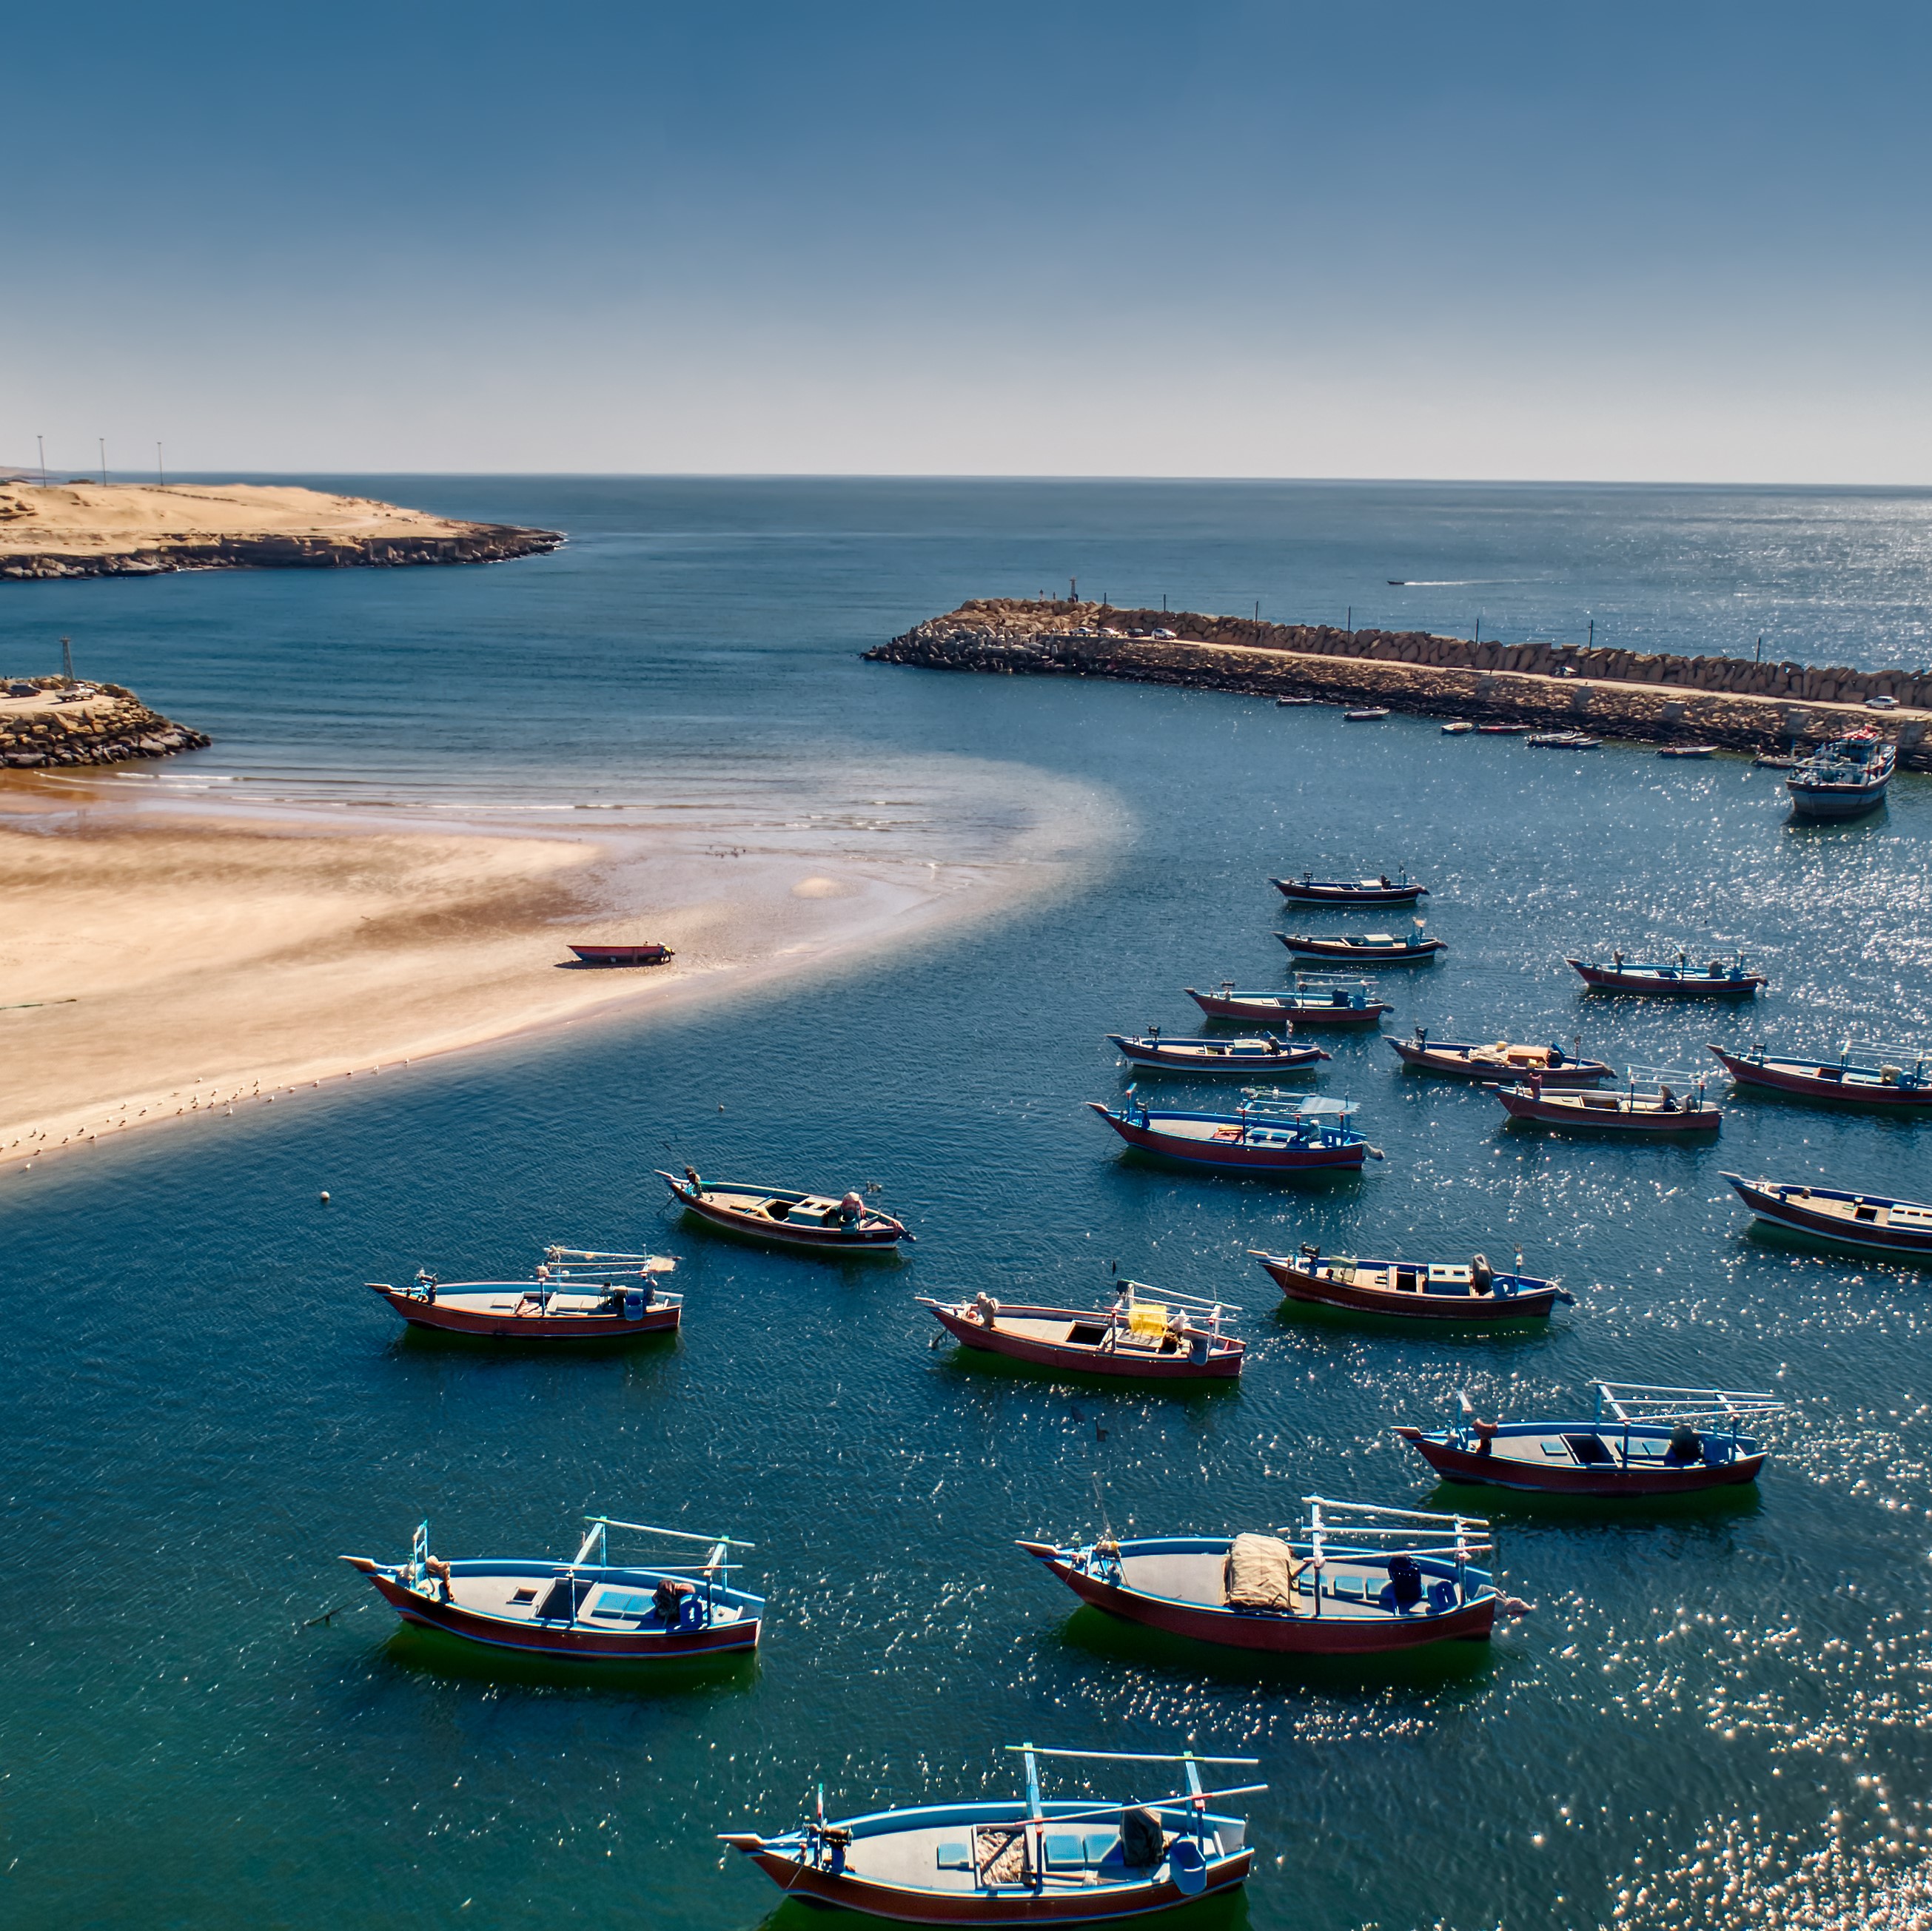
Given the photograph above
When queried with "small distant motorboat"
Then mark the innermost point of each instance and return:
(1368, 713)
(579, 1294)
(1648, 1105)
(1461, 727)
(1845, 777)
(1381, 891)
(787, 1219)
(584, 1611)
(1643, 1442)
(1350, 1579)
(1174, 1338)
(1719, 979)
(1863, 1222)
(1273, 1133)
(1284, 703)
(1265, 1055)
(1019, 1860)
(623, 955)
(1688, 751)
(1776, 761)
(1562, 741)
(1471, 1060)
(1896, 1083)
(1317, 1000)
(1504, 730)
(1364, 948)
(1433, 1290)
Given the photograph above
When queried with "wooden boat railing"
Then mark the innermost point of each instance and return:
(1621, 1406)
(1913, 1065)
(1411, 1531)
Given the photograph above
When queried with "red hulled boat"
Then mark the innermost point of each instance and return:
(1900, 1083)
(578, 1295)
(1469, 1060)
(1431, 1290)
(1863, 1223)
(1265, 1136)
(786, 1218)
(1716, 979)
(1174, 1339)
(623, 954)
(1363, 948)
(1316, 1000)
(1382, 891)
(1209, 1056)
(1655, 1111)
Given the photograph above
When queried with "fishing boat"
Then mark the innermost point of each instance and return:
(623, 955)
(1319, 999)
(1893, 1080)
(1867, 1223)
(1368, 713)
(1504, 730)
(1350, 1579)
(1023, 1859)
(1381, 891)
(1433, 1290)
(1562, 741)
(1778, 761)
(1273, 1133)
(1287, 703)
(1459, 727)
(1472, 1060)
(587, 1610)
(1719, 979)
(1174, 1338)
(1845, 777)
(578, 1294)
(1688, 751)
(1364, 948)
(788, 1219)
(1641, 1441)
(1264, 1055)
(1648, 1105)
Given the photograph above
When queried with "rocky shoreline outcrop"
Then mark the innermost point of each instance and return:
(484, 543)
(1661, 698)
(68, 722)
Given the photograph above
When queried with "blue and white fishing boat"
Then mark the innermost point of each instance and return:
(1844, 778)
(1863, 1223)
(1020, 1860)
(1893, 1079)
(1318, 999)
(1268, 1054)
(1273, 1132)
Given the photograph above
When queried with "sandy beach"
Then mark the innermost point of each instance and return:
(158, 964)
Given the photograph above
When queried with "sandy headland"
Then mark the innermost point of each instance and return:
(125, 529)
(160, 964)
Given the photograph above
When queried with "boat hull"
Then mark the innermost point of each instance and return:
(1787, 1208)
(532, 1328)
(623, 955)
(1815, 806)
(1295, 1060)
(1457, 1464)
(1679, 985)
(1359, 955)
(1218, 1007)
(1273, 1635)
(1525, 1107)
(1222, 1364)
(1298, 1283)
(800, 1233)
(1449, 1058)
(1796, 1078)
(1234, 1157)
(1327, 891)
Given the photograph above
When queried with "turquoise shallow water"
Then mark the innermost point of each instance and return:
(1714, 1717)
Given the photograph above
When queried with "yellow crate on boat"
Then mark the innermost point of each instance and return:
(1147, 1317)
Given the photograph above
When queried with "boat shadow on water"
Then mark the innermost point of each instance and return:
(1735, 1502)
(1288, 1317)
(1311, 1179)
(1222, 1911)
(656, 1345)
(1095, 1633)
(429, 1652)
(1795, 1242)
(971, 1363)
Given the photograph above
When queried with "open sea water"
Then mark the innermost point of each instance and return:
(1717, 1714)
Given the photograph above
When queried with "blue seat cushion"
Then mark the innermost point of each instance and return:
(954, 1857)
(1065, 1850)
(1099, 1843)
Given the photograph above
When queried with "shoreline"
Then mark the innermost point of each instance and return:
(281, 951)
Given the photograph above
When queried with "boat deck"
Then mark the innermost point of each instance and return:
(1351, 1591)
(611, 1599)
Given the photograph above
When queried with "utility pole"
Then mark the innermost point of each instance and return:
(1479, 627)
(1593, 633)
(1073, 589)
(1351, 620)
(160, 472)
(67, 659)
(103, 440)
(1258, 610)
(41, 441)
(1759, 658)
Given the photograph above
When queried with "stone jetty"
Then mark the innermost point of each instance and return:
(141, 530)
(56, 720)
(1663, 699)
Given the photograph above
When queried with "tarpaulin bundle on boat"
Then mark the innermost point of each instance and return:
(1262, 1573)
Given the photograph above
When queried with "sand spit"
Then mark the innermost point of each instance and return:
(160, 964)
(121, 529)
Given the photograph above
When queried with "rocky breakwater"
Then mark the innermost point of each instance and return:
(1657, 698)
(135, 530)
(54, 721)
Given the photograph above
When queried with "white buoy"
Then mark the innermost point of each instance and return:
(325, 1196)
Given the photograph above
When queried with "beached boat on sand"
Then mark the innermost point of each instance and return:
(1271, 1133)
(1431, 1290)
(1318, 999)
(1350, 1579)
(788, 1219)
(1199, 1055)
(1863, 1223)
(1718, 979)
(578, 1295)
(1380, 890)
(1019, 1860)
(1893, 1081)
(1363, 948)
(1470, 1059)
(1648, 1105)
(587, 1610)
(1643, 1442)
(624, 954)
(1175, 1338)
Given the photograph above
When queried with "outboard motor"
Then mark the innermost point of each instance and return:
(1404, 1575)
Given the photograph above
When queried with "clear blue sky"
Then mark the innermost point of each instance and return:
(1671, 241)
